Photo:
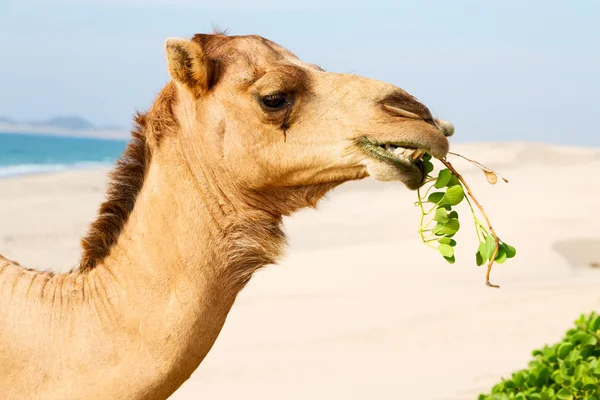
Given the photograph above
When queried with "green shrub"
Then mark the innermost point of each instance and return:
(568, 370)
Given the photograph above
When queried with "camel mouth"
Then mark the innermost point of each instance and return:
(398, 153)
(396, 161)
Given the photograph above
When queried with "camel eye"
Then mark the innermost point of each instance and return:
(274, 102)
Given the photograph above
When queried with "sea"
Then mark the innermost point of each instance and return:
(24, 153)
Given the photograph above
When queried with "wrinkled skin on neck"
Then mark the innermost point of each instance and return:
(244, 134)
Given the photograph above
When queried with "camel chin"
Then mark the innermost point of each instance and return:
(409, 174)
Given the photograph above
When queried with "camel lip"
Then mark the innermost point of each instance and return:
(436, 152)
(395, 152)
(390, 153)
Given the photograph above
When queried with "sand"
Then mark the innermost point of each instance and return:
(359, 308)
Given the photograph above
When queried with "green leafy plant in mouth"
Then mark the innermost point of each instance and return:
(437, 199)
(568, 370)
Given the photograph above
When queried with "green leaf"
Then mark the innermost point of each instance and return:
(564, 349)
(444, 240)
(590, 388)
(435, 197)
(589, 383)
(578, 373)
(446, 250)
(481, 255)
(542, 378)
(595, 324)
(588, 380)
(584, 338)
(453, 214)
(501, 256)
(510, 251)
(450, 260)
(482, 250)
(586, 351)
(479, 259)
(454, 195)
(566, 367)
(443, 178)
(490, 247)
(591, 341)
(508, 384)
(447, 240)
(427, 166)
(518, 378)
(564, 394)
(441, 215)
(453, 181)
(447, 229)
(558, 377)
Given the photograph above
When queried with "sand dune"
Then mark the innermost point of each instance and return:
(580, 252)
(359, 308)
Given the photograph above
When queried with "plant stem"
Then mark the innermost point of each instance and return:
(487, 220)
(429, 190)
(423, 229)
(422, 215)
(477, 228)
(431, 209)
(478, 165)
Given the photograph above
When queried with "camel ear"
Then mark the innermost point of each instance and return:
(188, 65)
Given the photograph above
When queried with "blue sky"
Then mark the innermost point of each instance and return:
(504, 70)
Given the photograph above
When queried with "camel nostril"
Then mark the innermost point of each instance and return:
(446, 127)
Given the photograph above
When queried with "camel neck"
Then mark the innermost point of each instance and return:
(179, 263)
(158, 300)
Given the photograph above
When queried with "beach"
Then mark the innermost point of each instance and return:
(359, 308)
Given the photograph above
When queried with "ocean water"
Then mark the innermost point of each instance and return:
(22, 154)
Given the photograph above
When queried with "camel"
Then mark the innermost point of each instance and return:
(243, 134)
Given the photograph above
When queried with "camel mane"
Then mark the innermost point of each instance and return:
(127, 178)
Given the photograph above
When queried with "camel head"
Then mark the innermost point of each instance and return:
(265, 119)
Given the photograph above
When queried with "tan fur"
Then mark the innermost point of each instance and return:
(188, 66)
(127, 179)
(194, 208)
